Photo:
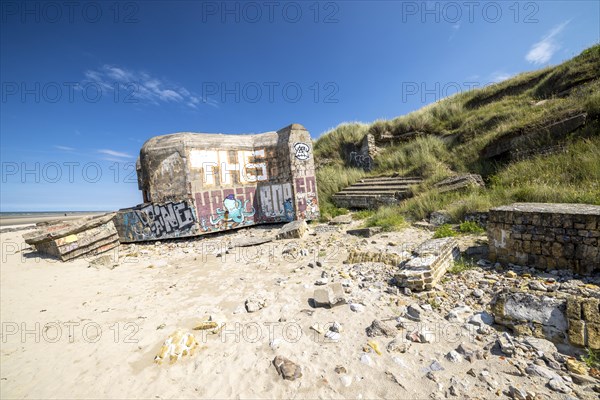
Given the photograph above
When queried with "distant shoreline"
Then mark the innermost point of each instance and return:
(33, 217)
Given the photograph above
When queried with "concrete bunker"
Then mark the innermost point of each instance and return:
(195, 183)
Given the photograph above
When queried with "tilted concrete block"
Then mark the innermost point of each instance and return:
(193, 183)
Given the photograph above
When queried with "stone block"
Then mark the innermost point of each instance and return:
(512, 309)
(364, 232)
(591, 310)
(576, 332)
(593, 336)
(329, 296)
(67, 240)
(293, 230)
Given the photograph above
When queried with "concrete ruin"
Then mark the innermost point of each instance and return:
(67, 240)
(194, 184)
(371, 193)
(546, 236)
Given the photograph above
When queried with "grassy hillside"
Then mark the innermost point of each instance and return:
(452, 133)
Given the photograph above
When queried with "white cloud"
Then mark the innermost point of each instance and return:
(141, 86)
(499, 76)
(114, 153)
(65, 148)
(542, 51)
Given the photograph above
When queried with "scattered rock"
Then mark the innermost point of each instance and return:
(454, 356)
(286, 368)
(413, 312)
(421, 335)
(459, 314)
(378, 328)
(577, 367)
(341, 220)
(438, 218)
(329, 296)
(481, 319)
(537, 285)
(346, 380)
(558, 385)
(340, 369)
(293, 230)
(398, 346)
(506, 344)
(357, 307)
(364, 232)
(365, 359)
(333, 336)
(516, 393)
(322, 281)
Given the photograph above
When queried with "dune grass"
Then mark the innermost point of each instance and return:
(452, 132)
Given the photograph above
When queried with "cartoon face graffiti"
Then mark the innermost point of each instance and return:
(234, 212)
(302, 151)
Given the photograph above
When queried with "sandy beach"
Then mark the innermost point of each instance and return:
(72, 330)
(12, 220)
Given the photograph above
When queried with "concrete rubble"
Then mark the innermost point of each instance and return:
(82, 237)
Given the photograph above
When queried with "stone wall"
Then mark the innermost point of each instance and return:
(583, 315)
(194, 184)
(546, 236)
(557, 317)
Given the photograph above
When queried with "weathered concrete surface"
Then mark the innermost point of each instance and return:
(375, 192)
(329, 295)
(194, 184)
(557, 317)
(544, 316)
(430, 262)
(518, 141)
(72, 239)
(459, 182)
(293, 230)
(546, 236)
(357, 256)
(364, 232)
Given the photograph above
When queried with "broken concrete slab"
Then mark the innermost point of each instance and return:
(357, 256)
(329, 296)
(543, 316)
(344, 219)
(293, 230)
(68, 240)
(364, 232)
(459, 182)
(430, 262)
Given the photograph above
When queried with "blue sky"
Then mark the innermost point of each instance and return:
(84, 86)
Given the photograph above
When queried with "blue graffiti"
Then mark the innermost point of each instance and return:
(233, 211)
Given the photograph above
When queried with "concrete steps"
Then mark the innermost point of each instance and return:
(374, 192)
